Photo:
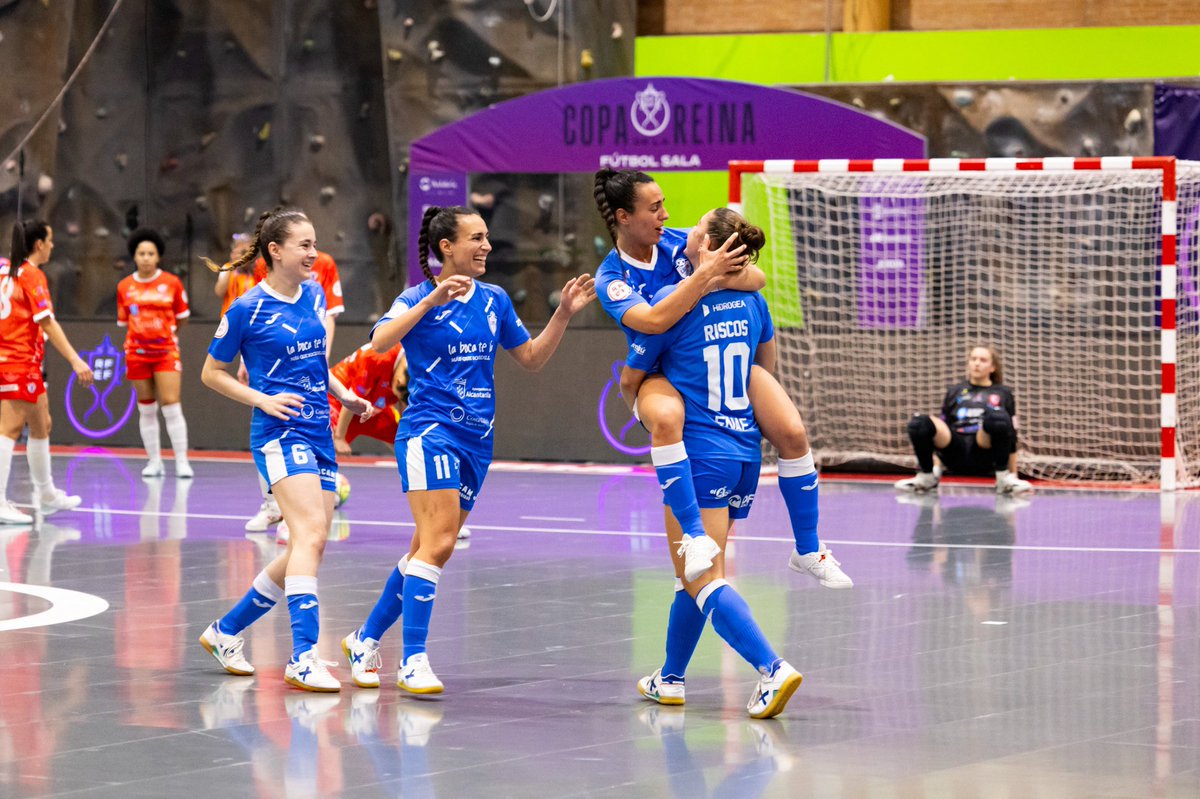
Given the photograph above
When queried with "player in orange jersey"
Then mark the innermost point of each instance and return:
(153, 304)
(382, 380)
(232, 284)
(26, 320)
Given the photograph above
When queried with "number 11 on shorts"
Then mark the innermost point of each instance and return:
(441, 464)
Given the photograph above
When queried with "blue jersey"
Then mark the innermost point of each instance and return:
(707, 357)
(622, 282)
(452, 361)
(282, 342)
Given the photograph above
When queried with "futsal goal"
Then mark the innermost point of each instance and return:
(1081, 271)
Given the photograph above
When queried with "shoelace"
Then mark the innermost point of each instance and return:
(828, 554)
(374, 661)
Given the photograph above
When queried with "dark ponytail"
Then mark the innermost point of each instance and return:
(24, 236)
(616, 190)
(273, 226)
(725, 222)
(437, 224)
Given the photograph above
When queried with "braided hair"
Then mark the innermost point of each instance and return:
(438, 223)
(616, 190)
(273, 226)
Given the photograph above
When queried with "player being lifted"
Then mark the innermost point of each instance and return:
(278, 329)
(647, 256)
(452, 326)
(707, 357)
(152, 305)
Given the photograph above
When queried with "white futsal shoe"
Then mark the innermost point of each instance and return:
(364, 660)
(697, 554)
(267, 515)
(10, 515)
(183, 469)
(921, 482)
(52, 501)
(773, 691)
(227, 649)
(822, 566)
(153, 468)
(417, 677)
(282, 533)
(653, 688)
(1009, 483)
(464, 533)
(310, 673)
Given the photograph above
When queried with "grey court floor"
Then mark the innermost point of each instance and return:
(1046, 647)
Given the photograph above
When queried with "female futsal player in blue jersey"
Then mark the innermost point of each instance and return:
(707, 357)
(278, 329)
(452, 327)
(647, 256)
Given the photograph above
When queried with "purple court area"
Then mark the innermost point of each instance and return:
(1039, 647)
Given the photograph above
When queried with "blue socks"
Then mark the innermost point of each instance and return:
(262, 596)
(305, 612)
(684, 628)
(420, 589)
(389, 606)
(675, 479)
(798, 484)
(732, 620)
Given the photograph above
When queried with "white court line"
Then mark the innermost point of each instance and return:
(555, 518)
(845, 542)
(65, 606)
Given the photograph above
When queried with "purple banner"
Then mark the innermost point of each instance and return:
(1177, 121)
(652, 124)
(891, 271)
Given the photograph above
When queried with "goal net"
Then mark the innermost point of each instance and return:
(881, 274)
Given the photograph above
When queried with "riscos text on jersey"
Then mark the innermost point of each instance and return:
(282, 342)
(707, 357)
(451, 360)
(622, 284)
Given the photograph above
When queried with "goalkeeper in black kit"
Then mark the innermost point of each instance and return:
(974, 435)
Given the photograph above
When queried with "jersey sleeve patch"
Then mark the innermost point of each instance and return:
(619, 290)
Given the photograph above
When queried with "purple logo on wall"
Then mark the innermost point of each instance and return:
(91, 410)
(621, 430)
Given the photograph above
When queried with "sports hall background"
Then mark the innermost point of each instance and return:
(193, 117)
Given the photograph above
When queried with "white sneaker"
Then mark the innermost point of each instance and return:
(416, 720)
(310, 673)
(665, 693)
(10, 515)
(364, 660)
(923, 481)
(227, 649)
(1009, 483)
(153, 468)
(416, 676)
(282, 533)
(268, 514)
(51, 502)
(697, 554)
(464, 533)
(822, 566)
(773, 691)
(183, 469)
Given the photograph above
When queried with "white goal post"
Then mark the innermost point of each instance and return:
(1081, 271)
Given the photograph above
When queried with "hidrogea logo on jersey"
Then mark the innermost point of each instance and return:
(104, 407)
(652, 118)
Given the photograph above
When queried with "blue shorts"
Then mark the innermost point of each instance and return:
(725, 483)
(292, 453)
(436, 459)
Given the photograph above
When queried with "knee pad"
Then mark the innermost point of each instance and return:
(997, 422)
(920, 426)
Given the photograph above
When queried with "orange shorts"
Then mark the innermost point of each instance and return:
(143, 367)
(21, 382)
(381, 427)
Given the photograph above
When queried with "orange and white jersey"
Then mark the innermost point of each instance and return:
(239, 283)
(24, 302)
(151, 309)
(369, 374)
(325, 272)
